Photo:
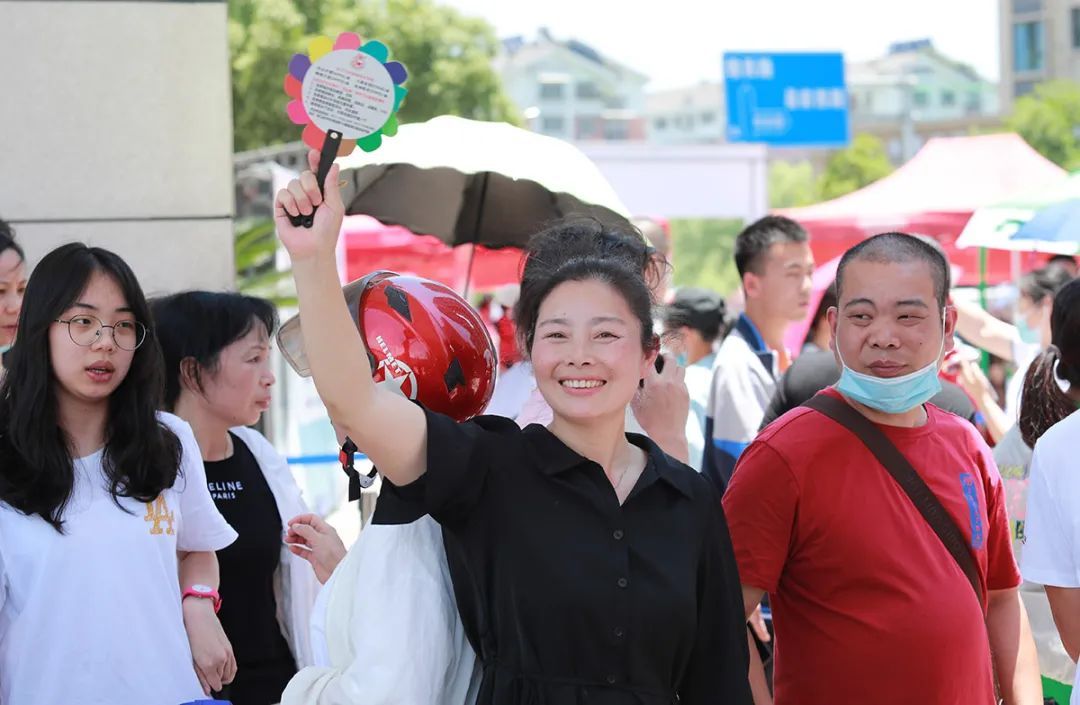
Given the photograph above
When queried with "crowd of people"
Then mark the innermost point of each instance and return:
(662, 504)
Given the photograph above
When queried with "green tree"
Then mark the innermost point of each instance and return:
(1049, 120)
(704, 253)
(862, 163)
(449, 57)
(255, 248)
(263, 35)
(792, 185)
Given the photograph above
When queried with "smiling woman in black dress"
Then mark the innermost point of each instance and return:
(589, 566)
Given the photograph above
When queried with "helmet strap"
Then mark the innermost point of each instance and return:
(357, 482)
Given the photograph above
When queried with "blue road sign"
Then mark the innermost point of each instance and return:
(790, 100)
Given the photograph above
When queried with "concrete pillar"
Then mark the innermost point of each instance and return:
(116, 130)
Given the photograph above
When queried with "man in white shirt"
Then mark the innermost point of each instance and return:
(775, 265)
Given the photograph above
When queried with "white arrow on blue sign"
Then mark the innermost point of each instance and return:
(786, 99)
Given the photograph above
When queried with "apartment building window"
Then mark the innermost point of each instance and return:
(587, 90)
(589, 126)
(1024, 6)
(921, 99)
(1022, 88)
(553, 125)
(974, 103)
(708, 118)
(896, 149)
(660, 123)
(1029, 45)
(616, 130)
(551, 91)
(948, 99)
(1076, 27)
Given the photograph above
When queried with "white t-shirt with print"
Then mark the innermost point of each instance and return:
(1052, 528)
(93, 616)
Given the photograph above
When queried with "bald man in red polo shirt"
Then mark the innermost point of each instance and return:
(868, 604)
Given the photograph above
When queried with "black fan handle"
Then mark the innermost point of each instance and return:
(326, 160)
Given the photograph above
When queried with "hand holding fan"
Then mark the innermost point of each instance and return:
(345, 93)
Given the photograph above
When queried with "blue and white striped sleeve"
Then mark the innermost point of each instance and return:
(733, 417)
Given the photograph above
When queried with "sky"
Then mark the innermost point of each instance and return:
(678, 43)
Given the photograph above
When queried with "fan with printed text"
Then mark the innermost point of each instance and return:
(346, 94)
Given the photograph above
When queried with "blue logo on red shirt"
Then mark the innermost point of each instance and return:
(971, 496)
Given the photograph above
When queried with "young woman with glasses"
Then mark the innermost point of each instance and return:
(107, 531)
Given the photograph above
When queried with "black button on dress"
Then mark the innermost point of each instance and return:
(570, 598)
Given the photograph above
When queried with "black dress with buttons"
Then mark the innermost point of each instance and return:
(570, 598)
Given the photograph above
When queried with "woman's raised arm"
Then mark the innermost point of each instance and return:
(386, 426)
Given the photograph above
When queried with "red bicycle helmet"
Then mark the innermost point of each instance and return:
(423, 341)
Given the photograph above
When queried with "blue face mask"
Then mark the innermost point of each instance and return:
(1027, 333)
(680, 358)
(892, 395)
(4, 349)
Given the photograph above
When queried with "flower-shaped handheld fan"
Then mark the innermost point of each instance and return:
(345, 93)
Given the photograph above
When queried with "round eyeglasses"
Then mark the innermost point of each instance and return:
(85, 330)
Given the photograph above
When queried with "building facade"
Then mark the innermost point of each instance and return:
(1040, 41)
(905, 97)
(567, 89)
(913, 93)
(691, 115)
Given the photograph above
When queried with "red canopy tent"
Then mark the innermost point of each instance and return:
(934, 194)
(370, 245)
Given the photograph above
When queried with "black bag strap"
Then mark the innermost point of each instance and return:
(916, 489)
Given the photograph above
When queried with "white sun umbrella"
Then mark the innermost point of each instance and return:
(480, 183)
(994, 226)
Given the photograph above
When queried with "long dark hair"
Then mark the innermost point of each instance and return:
(587, 249)
(199, 325)
(141, 456)
(1042, 403)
